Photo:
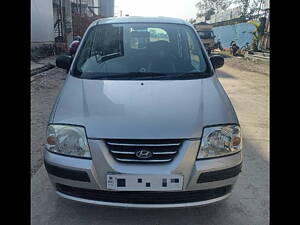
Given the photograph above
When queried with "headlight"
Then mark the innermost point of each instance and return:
(67, 140)
(220, 141)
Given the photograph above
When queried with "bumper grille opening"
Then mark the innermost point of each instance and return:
(144, 151)
(67, 173)
(144, 197)
(220, 174)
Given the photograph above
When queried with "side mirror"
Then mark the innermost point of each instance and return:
(217, 61)
(64, 61)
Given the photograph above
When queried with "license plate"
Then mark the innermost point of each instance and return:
(128, 182)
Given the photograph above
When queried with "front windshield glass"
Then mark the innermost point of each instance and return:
(205, 34)
(139, 48)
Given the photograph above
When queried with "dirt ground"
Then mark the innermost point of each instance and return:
(245, 64)
(44, 89)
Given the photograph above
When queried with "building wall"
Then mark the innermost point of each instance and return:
(106, 8)
(240, 33)
(41, 22)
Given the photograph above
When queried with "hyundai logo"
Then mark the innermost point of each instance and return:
(143, 154)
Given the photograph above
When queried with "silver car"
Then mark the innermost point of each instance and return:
(142, 120)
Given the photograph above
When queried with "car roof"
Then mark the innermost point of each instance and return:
(139, 19)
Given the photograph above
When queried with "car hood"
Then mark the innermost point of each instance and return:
(149, 109)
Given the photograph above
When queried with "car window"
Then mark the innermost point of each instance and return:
(194, 52)
(140, 37)
(107, 41)
(205, 34)
(157, 34)
(138, 47)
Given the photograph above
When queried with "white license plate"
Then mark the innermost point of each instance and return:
(128, 182)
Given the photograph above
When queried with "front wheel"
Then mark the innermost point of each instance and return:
(243, 50)
(234, 51)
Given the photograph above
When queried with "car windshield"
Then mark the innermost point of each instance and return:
(140, 50)
(205, 34)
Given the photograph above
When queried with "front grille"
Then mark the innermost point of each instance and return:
(144, 151)
(144, 197)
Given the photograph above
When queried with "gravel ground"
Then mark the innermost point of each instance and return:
(244, 64)
(44, 89)
(248, 65)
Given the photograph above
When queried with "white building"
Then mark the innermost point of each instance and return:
(51, 20)
(41, 22)
(106, 8)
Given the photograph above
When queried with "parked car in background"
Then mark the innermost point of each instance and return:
(207, 35)
(142, 120)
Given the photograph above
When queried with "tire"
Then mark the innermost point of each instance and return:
(243, 50)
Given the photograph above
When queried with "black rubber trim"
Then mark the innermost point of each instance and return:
(71, 156)
(220, 174)
(67, 173)
(144, 197)
(221, 156)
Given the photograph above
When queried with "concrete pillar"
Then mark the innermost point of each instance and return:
(68, 21)
(99, 9)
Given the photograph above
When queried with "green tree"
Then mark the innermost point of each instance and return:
(192, 21)
(257, 33)
(209, 13)
(208, 8)
(250, 8)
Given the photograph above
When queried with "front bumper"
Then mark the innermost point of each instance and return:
(214, 176)
(142, 199)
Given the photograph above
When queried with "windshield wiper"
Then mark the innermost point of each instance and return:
(149, 76)
(131, 75)
(187, 75)
(102, 58)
